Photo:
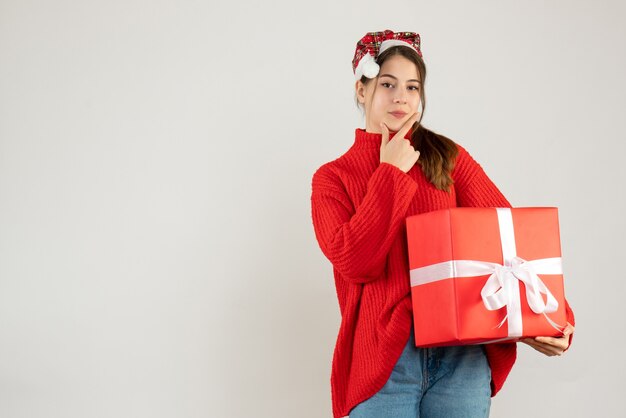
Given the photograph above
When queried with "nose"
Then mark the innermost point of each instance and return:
(400, 96)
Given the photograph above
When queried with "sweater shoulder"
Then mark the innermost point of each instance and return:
(464, 163)
(336, 170)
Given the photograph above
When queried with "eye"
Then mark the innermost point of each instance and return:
(384, 84)
(416, 88)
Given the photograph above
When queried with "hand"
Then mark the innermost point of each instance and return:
(551, 346)
(399, 151)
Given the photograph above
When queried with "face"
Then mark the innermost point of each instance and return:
(397, 95)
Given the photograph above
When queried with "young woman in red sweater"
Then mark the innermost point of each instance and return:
(397, 168)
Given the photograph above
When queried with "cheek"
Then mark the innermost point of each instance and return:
(380, 103)
(416, 104)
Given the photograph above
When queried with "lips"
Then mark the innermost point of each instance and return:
(398, 114)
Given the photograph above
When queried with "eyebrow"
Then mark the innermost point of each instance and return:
(395, 78)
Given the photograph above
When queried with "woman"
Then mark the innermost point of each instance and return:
(394, 169)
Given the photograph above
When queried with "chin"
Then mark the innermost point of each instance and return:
(395, 124)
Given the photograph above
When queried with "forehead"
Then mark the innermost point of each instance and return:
(400, 67)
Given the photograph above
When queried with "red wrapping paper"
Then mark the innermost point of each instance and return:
(451, 311)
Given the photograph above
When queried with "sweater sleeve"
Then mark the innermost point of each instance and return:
(570, 318)
(474, 188)
(472, 185)
(357, 241)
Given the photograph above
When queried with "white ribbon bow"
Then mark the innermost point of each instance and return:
(502, 289)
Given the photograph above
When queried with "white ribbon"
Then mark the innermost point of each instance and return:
(502, 287)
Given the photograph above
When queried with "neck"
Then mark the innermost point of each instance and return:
(366, 139)
(369, 128)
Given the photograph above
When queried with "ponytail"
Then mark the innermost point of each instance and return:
(437, 156)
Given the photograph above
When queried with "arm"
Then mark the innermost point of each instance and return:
(357, 241)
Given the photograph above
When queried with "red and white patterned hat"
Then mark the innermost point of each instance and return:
(374, 43)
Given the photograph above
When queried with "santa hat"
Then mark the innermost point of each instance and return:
(373, 44)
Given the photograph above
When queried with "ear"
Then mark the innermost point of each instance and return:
(360, 91)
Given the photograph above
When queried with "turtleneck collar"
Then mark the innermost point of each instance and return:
(364, 139)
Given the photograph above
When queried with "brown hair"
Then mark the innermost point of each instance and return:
(437, 153)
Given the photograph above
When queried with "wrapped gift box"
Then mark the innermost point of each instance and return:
(482, 275)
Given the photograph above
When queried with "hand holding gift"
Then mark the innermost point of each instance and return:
(551, 346)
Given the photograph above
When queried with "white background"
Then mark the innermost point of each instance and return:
(157, 256)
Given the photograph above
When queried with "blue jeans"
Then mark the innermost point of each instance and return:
(446, 382)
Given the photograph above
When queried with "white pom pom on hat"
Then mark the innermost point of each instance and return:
(369, 67)
(374, 43)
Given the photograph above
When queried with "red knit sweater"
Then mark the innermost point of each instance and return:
(359, 206)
